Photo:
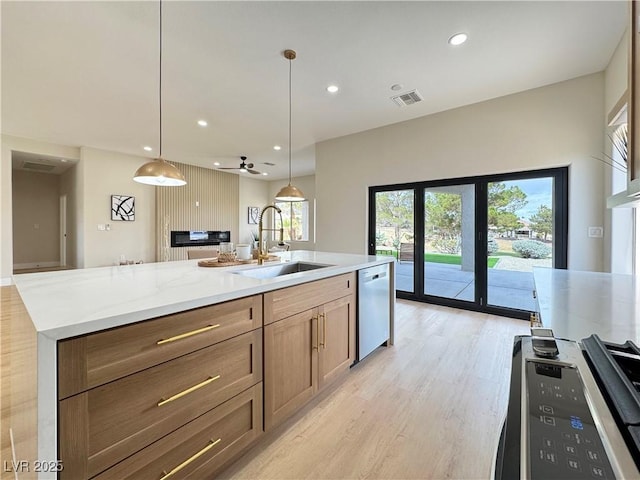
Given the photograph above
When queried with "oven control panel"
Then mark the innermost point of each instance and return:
(563, 440)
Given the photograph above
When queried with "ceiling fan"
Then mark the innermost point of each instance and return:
(244, 167)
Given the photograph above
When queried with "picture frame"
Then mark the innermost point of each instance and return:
(253, 215)
(123, 208)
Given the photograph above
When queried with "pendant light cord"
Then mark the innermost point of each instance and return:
(160, 84)
(290, 121)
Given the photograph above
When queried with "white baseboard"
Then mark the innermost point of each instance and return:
(6, 281)
(23, 266)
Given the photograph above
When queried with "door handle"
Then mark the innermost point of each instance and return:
(324, 331)
(315, 319)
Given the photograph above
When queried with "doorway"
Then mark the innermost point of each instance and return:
(63, 230)
(472, 242)
(43, 198)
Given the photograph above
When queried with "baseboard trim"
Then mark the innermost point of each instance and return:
(24, 266)
(6, 281)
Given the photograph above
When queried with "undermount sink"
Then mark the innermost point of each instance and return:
(272, 271)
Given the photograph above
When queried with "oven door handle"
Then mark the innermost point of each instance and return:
(498, 455)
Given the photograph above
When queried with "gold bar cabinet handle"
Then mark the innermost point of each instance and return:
(188, 334)
(315, 319)
(188, 390)
(209, 446)
(324, 331)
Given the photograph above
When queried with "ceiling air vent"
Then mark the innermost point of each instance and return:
(408, 98)
(41, 167)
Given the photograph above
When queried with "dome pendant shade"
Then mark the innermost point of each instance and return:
(160, 173)
(290, 193)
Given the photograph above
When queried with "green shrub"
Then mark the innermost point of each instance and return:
(449, 244)
(492, 246)
(531, 249)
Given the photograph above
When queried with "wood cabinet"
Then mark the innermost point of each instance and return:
(114, 404)
(201, 447)
(308, 349)
(337, 342)
(92, 360)
(633, 107)
(285, 302)
(633, 160)
(290, 365)
(182, 395)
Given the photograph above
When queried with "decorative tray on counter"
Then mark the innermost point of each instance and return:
(213, 262)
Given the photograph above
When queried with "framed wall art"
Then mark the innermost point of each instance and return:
(123, 207)
(254, 214)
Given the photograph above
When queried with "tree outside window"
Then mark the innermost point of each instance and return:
(295, 220)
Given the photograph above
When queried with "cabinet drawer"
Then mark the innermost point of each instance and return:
(104, 425)
(285, 302)
(201, 447)
(92, 360)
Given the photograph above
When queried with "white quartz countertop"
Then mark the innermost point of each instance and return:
(67, 303)
(577, 304)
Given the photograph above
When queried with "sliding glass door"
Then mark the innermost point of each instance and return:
(521, 225)
(449, 242)
(472, 242)
(393, 223)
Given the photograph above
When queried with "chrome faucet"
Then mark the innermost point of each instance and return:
(262, 256)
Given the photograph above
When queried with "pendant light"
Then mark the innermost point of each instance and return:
(290, 193)
(159, 172)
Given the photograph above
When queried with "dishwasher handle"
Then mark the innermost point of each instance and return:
(377, 276)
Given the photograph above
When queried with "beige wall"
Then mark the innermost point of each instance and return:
(308, 186)
(7, 145)
(89, 186)
(253, 193)
(69, 186)
(557, 125)
(618, 243)
(36, 219)
(109, 173)
(616, 74)
(209, 201)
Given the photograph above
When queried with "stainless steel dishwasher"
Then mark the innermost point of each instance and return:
(373, 308)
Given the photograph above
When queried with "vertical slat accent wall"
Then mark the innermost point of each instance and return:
(218, 196)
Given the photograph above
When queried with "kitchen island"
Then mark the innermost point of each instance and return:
(577, 304)
(68, 306)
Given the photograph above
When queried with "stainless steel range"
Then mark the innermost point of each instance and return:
(574, 411)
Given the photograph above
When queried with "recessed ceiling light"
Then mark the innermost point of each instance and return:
(332, 88)
(217, 164)
(277, 147)
(265, 173)
(147, 148)
(64, 160)
(458, 39)
(202, 123)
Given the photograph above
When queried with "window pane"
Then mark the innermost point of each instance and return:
(449, 242)
(295, 220)
(520, 236)
(395, 233)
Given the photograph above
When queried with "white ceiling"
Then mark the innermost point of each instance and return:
(86, 73)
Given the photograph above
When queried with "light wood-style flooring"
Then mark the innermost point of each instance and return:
(18, 385)
(430, 407)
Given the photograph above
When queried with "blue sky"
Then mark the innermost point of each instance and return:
(539, 192)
